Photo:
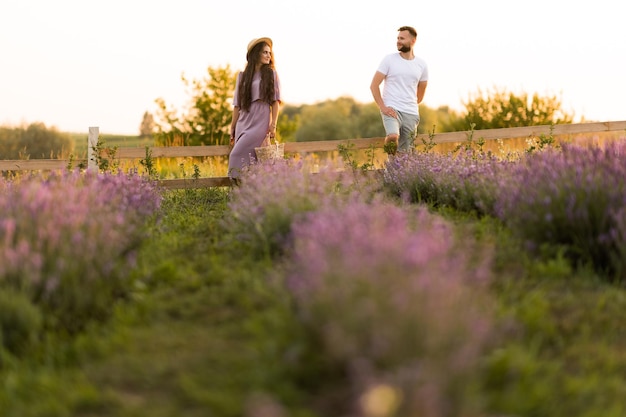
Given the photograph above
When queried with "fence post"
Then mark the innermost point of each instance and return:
(92, 143)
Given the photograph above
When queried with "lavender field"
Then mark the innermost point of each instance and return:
(444, 285)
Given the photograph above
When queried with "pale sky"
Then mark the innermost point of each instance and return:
(80, 63)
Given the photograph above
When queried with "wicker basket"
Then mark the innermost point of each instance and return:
(272, 151)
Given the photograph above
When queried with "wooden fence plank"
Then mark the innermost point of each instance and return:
(32, 164)
(195, 183)
(528, 131)
(319, 146)
(173, 151)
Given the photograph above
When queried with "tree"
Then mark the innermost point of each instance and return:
(146, 129)
(34, 141)
(369, 123)
(342, 118)
(206, 120)
(288, 124)
(500, 108)
(439, 120)
(328, 120)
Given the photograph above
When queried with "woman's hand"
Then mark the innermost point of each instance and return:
(272, 131)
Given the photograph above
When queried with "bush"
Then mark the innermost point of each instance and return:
(272, 195)
(466, 182)
(20, 322)
(34, 141)
(571, 199)
(69, 241)
(397, 306)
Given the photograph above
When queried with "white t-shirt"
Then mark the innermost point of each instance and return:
(401, 79)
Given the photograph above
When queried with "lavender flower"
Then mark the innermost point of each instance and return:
(394, 298)
(570, 198)
(69, 240)
(464, 182)
(272, 195)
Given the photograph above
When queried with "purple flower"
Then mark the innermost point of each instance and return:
(383, 285)
(568, 198)
(69, 230)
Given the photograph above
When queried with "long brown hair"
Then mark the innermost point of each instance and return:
(267, 78)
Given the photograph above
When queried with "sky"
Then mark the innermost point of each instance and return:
(73, 64)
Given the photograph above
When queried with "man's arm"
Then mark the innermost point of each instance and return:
(378, 98)
(375, 89)
(421, 90)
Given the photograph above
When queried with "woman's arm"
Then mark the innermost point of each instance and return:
(275, 106)
(274, 118)
(233, 124)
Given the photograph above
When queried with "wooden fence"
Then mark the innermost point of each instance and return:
(301, 148)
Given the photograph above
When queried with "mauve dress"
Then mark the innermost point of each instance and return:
(251, 126)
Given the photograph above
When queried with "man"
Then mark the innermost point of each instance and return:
(405, 76)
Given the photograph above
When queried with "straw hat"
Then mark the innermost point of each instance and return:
(255, 42)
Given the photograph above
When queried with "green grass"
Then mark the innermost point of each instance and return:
(209, 333)
(193, 342)
(128, 141)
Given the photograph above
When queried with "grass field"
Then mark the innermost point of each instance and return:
(80, 142)
(213, 324)
(209, 329)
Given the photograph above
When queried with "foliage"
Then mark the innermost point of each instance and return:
(572, 198)
(207, 118)
(68, 241)
(104, 156)
(464, 182)
(390, 148)
(20, 323)
(395, 305)
(558, 360)
(428, 144)
(146, 128)
(212, 328)
(273, 195)
(499, 108)
(347, 154)
(568, 198)
(542, 142)
(34, 141)
(288, 123)
(342, 118)
(368, 123)
(148, 164)
(471, 146)
(446, 119)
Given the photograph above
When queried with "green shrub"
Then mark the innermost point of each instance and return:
(20, 322)
(70, 242)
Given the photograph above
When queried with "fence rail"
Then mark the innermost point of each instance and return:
(301, 148)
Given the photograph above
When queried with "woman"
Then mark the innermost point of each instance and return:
(256, 103)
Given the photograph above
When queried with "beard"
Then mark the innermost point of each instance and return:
(404, 48)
